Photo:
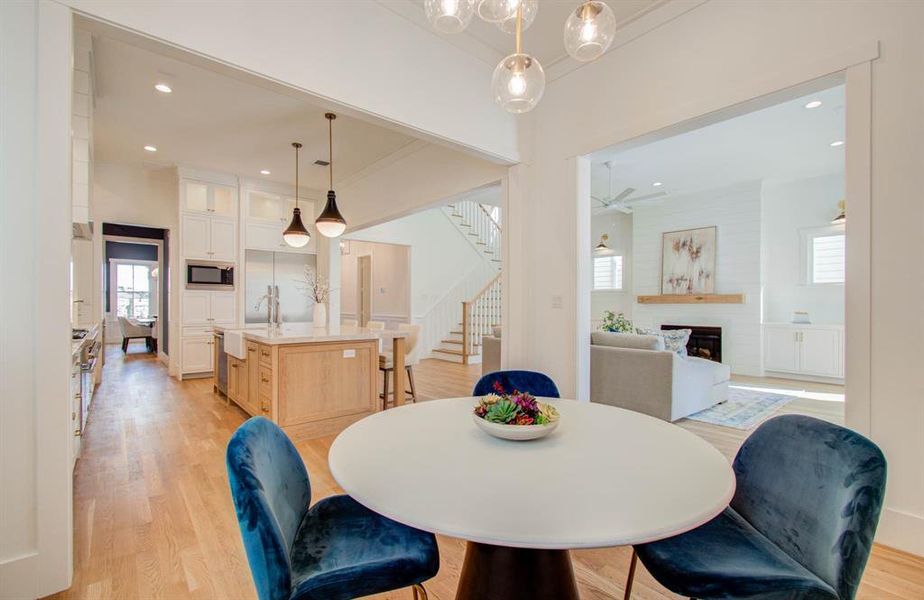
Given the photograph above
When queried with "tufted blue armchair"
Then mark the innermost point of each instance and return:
(800, 525)
(335, 550)
(537, 384)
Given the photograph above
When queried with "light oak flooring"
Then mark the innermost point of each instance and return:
(154, 518)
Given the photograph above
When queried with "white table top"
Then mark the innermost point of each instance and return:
(605, 477)
(305, 333)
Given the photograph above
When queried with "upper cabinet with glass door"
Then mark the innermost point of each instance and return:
(209, 198)
(267, 215)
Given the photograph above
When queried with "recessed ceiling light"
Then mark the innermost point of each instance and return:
(813, 104)
(151, 148)
(657, 184)
(163, 88)
(264, 172)
(837, 143)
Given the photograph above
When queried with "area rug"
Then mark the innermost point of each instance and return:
(744, 409)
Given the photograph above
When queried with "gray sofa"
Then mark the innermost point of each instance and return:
(636, 372)
(491, 352)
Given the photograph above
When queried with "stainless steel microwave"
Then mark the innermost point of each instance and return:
(209, 276)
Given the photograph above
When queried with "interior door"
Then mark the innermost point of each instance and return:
(364, 289)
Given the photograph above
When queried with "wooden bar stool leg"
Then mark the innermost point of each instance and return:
(410, 379)
(385, 389)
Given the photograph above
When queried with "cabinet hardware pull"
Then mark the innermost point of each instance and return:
(264, 380)
(77, 433)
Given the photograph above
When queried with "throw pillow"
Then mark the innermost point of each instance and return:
(675, 340)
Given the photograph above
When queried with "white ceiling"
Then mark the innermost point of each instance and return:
(215, 122)
(785, 141)
(543, 39)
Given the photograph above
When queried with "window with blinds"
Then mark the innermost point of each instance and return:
(828, 258)
(608, 273)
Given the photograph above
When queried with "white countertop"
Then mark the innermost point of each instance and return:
(605, 477)
(306, 333)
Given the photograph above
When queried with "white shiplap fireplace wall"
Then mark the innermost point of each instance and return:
(735, 211)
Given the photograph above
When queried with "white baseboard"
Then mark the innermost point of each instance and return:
(901, 530)
(18, 577)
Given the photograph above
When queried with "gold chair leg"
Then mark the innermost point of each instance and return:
(384, 395)
(631, 575)
(419, 592)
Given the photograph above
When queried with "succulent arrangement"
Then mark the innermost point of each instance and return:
(515, 408)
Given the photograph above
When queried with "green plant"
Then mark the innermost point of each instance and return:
(616, 323)
(502, 411)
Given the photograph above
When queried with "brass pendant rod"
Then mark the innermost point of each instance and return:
(519, 27)
(296, 145)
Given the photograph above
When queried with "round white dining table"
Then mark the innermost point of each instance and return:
(605, 477)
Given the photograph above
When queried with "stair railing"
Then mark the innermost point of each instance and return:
(479, 224)
(479, 316)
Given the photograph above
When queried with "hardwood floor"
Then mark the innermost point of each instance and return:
(154, 518)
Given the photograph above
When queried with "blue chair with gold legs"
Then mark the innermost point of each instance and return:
(532, 382)
(800, 525)
(334, 550)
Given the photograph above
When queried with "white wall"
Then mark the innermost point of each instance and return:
(36, 525)
(391, 281)
(655, 82)
(788, 208)
(618, 226)
(735, 212)
(360, 55)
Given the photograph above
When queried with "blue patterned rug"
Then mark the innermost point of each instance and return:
(744, 409)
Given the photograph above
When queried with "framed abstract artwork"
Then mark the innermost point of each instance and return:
(688, 261)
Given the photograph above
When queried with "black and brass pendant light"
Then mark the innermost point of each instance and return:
(330, 222)
(295, 234)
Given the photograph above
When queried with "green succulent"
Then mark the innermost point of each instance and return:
(503, 411)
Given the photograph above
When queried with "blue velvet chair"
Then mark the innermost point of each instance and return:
(800, 525)
(337, 549)
(537, 384)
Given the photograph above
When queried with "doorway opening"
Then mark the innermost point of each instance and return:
(726, 241)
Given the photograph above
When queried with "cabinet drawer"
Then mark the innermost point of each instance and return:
(266, 355)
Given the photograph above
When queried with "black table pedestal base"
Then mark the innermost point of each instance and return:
(502, 573)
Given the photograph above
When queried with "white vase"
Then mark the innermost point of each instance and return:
(320, 315)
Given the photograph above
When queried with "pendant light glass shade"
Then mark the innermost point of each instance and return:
(449, 16)
(589, 30)
(602, 249)
(330, 222)
(509, 23)
(295, 235)
(518, 83)
(495, 11)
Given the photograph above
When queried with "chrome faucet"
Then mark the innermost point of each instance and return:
(273, 312)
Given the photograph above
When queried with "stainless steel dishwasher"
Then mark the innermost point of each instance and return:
(222, 366)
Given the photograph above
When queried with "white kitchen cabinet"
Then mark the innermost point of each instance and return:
(260, 236)
(809, 350)
(266, 217)
(202, 307)
(222, 240)
(209, 198)
(208, 238)
(197, 354)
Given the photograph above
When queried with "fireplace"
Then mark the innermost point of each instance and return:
(705, 342)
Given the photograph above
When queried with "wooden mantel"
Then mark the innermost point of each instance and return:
(692, 299)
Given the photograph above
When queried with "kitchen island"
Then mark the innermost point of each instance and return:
(310, 381)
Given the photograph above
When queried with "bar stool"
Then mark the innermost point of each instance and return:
(387, 364)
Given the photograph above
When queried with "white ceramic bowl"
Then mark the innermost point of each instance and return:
(517, 433)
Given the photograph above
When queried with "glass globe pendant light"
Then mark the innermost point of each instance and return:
(494, 11)
(295, 234)
(509, 23)
(589, 30)
(449, 16)
(330, 222)
(519, 80)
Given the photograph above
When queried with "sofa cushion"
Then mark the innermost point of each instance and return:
(675, 340)
(627, 340)
(720, 373)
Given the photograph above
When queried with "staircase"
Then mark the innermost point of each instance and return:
(482, 311)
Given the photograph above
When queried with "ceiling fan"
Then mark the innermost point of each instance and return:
(624, 200)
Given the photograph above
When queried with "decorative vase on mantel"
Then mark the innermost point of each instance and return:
(320, 314)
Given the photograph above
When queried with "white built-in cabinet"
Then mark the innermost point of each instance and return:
(197, 354)
(808, 350)
(208, 221)
(266, 215)
(203, 307)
